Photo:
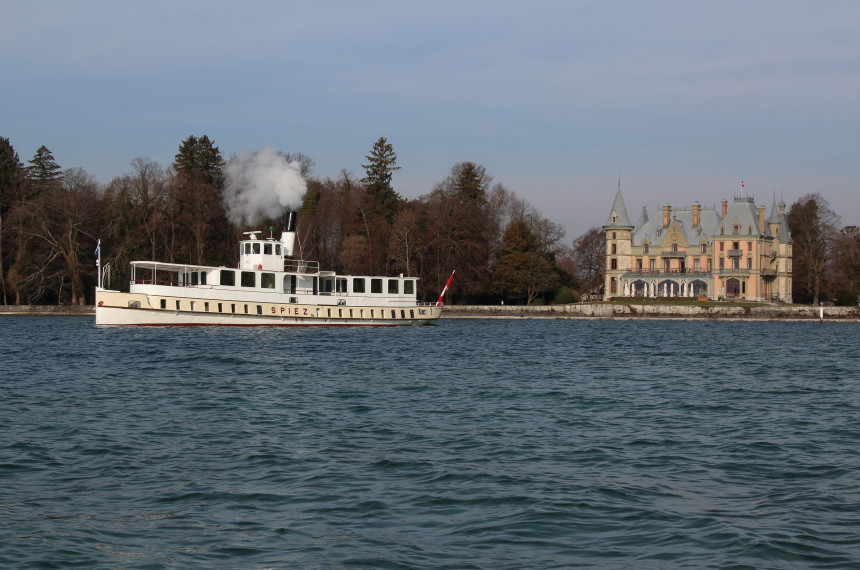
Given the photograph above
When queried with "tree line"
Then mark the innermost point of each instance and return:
(826, 264)
(502, 248)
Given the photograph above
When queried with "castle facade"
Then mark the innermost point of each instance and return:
(736, 252)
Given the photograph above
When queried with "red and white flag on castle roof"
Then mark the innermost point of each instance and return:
(742, 183)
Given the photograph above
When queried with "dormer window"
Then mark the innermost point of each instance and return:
(613, 219)
(645, 249)
(674, 247)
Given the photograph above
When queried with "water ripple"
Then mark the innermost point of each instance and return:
(472, 444)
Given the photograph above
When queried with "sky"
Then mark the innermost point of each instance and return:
(681, 100)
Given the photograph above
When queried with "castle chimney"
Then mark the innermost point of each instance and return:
(725, 208)
(667, 211)
(761, 219)
(697, 214)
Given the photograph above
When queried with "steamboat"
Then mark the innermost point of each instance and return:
(269, 288)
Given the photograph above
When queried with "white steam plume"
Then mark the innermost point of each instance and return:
(261, 185)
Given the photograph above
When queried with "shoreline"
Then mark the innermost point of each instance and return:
(633, 311)
(606, 311)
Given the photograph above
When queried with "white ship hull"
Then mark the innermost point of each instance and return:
(115, 308)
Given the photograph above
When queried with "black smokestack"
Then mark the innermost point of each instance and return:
(290, 222)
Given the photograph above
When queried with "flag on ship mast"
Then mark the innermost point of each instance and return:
(439, 302)
(98, 247)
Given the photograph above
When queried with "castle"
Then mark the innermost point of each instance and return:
(699, 252)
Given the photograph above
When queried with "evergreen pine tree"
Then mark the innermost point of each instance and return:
(11, 174)
(380, 169)
(43, 172)
(200, 158)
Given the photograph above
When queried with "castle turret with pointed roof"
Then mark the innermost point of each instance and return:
(618, 230)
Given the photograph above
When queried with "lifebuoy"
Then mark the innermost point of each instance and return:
(101, 303)
(260, 267)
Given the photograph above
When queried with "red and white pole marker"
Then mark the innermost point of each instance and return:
(439, 302)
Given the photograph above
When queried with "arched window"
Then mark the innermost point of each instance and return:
(733, 288)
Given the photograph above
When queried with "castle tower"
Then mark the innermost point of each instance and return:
(619, 241)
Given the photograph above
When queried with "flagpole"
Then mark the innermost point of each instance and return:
(99, 264)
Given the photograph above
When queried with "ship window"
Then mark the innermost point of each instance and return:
(178, 306)
(246, 309)
(409, 287)
(278, 249)
(341, 285)
(402, 313)
(358, 285)
(393, 314)
(164, 303)
(267, 280)
(328, 312)
(247, 249)
(267, 249)
(259, 309)
(206, 306)
(203, 278)
(194, 278)
(294, 300)
(340, 313)
(411, 313)
(192, 305)
(393, 287)
(232, 307)
(350, 313)
(249, 279)
(220, 308)
(256, 248)
(376, 285)
(228, 277)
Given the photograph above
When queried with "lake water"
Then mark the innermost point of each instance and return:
(469, 444)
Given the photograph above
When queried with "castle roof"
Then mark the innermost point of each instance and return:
(618, 215)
